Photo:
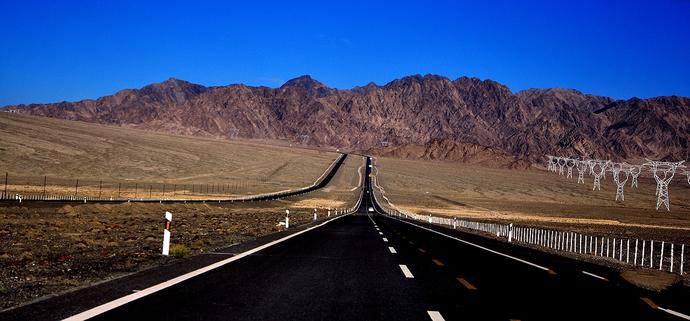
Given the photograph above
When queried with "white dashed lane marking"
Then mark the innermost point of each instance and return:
(390, 248)
(406, 271)
(594, 275)
(385, 239)
(435, 316)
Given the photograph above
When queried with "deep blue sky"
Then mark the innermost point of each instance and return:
(61, 50)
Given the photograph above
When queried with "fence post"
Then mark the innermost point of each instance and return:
(100, 188)
(76, 188)
(44, 185)
(682, 253)
(4, 195)
(651, 253)
(118, 189)
(150, 189)
(671, 258)
(608, 241)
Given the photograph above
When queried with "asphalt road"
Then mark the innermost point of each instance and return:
(372, 267)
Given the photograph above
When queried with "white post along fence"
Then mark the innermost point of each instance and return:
(660, 255)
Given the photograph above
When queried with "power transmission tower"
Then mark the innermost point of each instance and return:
(668, 170)
(598, 173)
(232, 133)
(570, 164)
(304, 139)
(635, 171)
(561, 164)
(582, 166)
(550, 166)
(616, 169)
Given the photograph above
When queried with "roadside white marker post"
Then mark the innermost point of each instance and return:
(166, 233)
(627, 252)
(635, 258)
(682, 253)
(608, 243)
(455, 223)
(671, 258)
(329, 212)
(287, 219)
(510, 232)
(661, 256)
(651, 253)
(314, 214)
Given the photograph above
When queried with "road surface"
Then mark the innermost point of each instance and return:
(367, 266)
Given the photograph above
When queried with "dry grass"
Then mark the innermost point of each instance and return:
(49, 248)
(535, 197)
(31, 147)
(52, 247)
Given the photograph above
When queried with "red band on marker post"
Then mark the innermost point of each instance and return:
(166, 233)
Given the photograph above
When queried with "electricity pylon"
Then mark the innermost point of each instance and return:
(663, 174)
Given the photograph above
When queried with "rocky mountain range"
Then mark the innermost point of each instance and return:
(429, 117)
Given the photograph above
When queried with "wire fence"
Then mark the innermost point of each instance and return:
(33, 188)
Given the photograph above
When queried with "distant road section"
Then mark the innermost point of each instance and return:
(320, 182)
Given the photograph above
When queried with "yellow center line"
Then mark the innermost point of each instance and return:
(421, 250)
(439, 263)
(468, 285)
(650, 303)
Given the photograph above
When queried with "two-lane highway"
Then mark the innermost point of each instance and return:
(368, 266)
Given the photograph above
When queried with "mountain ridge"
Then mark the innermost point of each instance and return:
(430, 112)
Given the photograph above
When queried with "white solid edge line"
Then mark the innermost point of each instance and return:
(392, 249)
(594, 275)
(385, 239)
(435, 316)
(406, 271)
(477, 246)
(678, 314)
(158, 287)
